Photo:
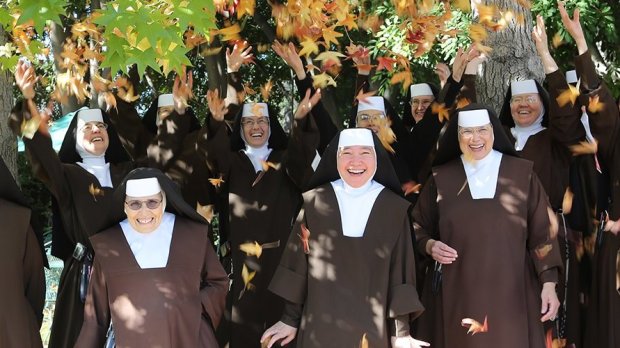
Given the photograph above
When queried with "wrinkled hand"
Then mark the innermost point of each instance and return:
(307, 104)
(182, 91)
(240, 55)
(442, 253)
(442, 70)
(463, 57)
(408, 342)
(25, 79)
(279, 331)
(573, 26)
(472, 66)
(613, 226)
(539, 35)
(289, 54)
(216, 105)
(550, 302)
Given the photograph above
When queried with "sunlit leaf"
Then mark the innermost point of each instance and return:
(305, 238)
(251, 249)
(216, 181)
(584, 148)
(95, 191)
(474, 326)
(594, 105)
(323, 80)
(442, 112)
(568, 96)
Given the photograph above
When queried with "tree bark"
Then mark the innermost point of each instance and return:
(8, 142)
(514, 57)
(58, 34)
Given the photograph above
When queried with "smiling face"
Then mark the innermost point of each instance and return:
(525, 109)
(255, 130)
(476, 142)
(147, 217)
(94, 137)
(356, 164)
(370, 119)
(419, 104)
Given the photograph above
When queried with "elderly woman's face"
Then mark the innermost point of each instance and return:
(371, 119)
(356, 164)
(255, 130)
(476, 142)
(94, 136)
(525, 109)
(144, 213)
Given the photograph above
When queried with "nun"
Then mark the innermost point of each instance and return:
(156, 279)
(22, 293)
(485, 219)
(264, 171)
(347, 273)
(81, 178)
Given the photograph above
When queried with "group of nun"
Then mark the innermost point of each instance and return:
(406, 229)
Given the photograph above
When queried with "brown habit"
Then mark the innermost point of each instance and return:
(22, 293)
(349, 286)
(505, 252)
(175, 306)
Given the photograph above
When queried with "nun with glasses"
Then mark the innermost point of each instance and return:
(485, 219)
(156, 278)
(81, 178)
(22, 292)
(264, 170)
(347, 273)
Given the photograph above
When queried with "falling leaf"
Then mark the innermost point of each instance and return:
(543, 250)
(248, 90)
(567, 201)
(557, 40)
(474, 326)
(330, 35)
(305, 238)
(462, 102)
(403, 77)
(441, 111)
(386, 63)
(463, 5)
(385, 133)
(362, 97)
(211, 51)
(551, 342)
(477, 32)
(247, 277)
(206, 211)
(330, 56)
(584, 147)
(411, 187)
(265, 90)
(308, 47)
(110, 100)
(95, 191)
(30, 126)
(230, 33)
(323, 80)
(216, 181)
(594, 105)
(251, 249)
(266, 165)
(245, 7)
(525, 4)
(364, 342)
(569, 95)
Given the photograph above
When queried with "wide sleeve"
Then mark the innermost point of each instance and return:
(167, 144)
(34, 275)
(468, 91)
(564, 120)
(301, 151)
(214, 287)
(324, 122)
(542, 230)
(132, 133)
(96, 311)
(426, 217)
(605, 124)
(290, 280)
(213, 145)
(403, 299)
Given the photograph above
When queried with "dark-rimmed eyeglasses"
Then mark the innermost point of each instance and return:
(137, 204)
(468, 133)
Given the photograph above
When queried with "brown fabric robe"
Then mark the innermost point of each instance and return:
(175, 306)
(506, 250)
(262, 207)
(22, 293)
(603, 319)
(349, 286)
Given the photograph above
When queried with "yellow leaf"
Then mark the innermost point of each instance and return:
(594, 105)
(330, 35)
(247, 277)
(246, 7)
(477, 32)
(330, 56)
(568, 96)
(556, 41)
(364, 342)
(230, 33)
(308, 47)
(216, 181)
(143, 45)
(251, 249)
(463, 5)
(95, 191)
(206, 211)
(348, 21)
(474, 326)
(584, 147)
(265, 90)
(525, 4)
(567, 201)
(323, 80)
(267, 165)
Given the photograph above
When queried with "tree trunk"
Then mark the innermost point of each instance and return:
(57, 38)
(8, 142)
(514, 57)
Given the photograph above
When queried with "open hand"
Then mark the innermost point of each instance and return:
(182, 91)
(216, 105)
(307, 104)
(240, 55)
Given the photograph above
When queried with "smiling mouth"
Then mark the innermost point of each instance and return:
(145, 221)
(356, 172)
(256, 135)
(96, 139)
(476, 147)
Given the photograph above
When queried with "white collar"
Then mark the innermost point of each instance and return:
(355, 205)
(257, 155)
(585, 120)
(151, 250)
(99, 168)
(521, 134)
(482, 175)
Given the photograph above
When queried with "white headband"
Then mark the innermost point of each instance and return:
(165, 100)
(142, 187)
(420, 89)
(371, 103)
(523, 87)
(89, 115)
(255, 109)
(474, 118)
(356, 137)
(571, 76)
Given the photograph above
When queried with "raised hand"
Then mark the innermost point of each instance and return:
(573, 26)
(240, 55)
(539, 35)
(362, 61)
(289, 54)
(26, 79)
(182, 91)
(442, 71)
(463, 57)
(217, 106)
(307, 103)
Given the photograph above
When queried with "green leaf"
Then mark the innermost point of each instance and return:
(41, 11)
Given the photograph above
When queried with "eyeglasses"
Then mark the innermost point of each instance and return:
(248, 122)
(528, 100)
(368, 118)
(87, 128)
(423, 102)
(468, 133)
(137, 205)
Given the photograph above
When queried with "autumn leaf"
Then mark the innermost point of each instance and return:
(330, 56)
(361, 96)
(216, 181)
(110, 100)
(525, 4)
(411, 187)
(543, 250)
(308, 47)
(323, 80)
(386, 63)
(230, 33)
(441, 111)
(557, 40)
(265, 90)
(251, 249)
(305, 238)
(462, 102)
(206, 211)
(95, 191)
(567, 201)
(474, 326)
(385, 133)
(463, 5)
(364, 342)
(568, 96)
(248, 90)
(266, 165)
(330, 35)
(584, 147)
(247, 277)
(594, 105)
(403, 77)
(246, 7)
(551, 342)
(477, 32)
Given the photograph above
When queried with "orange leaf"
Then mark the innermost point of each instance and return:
(584, 147)
(525, 4)
(567, 201)
(594, 105)
(330, 35)
(463, 5)
(230, 32)
(477, 32)
(543, 250)
(442, 112)
(385, 63)
(265, 90)
(462, 102)
(267, 165)
(216, 181)
(95, 191)
(361, 96)
(557, 40)
(569, 95)
(206, 211)
(364, 342)
(403, 77)
(474, 326)
(305, 238)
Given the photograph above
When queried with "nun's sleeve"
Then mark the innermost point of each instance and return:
(134, 136)
(46, 165)
(301, 150)
(468, 91)
(542, 234)
(564, 120)
(290, 280)
(34, 275)
(426, 217)
(213, 145)
(605, 123)
(96, 311)
(167, 145)
(214, 286)
(449, 92)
